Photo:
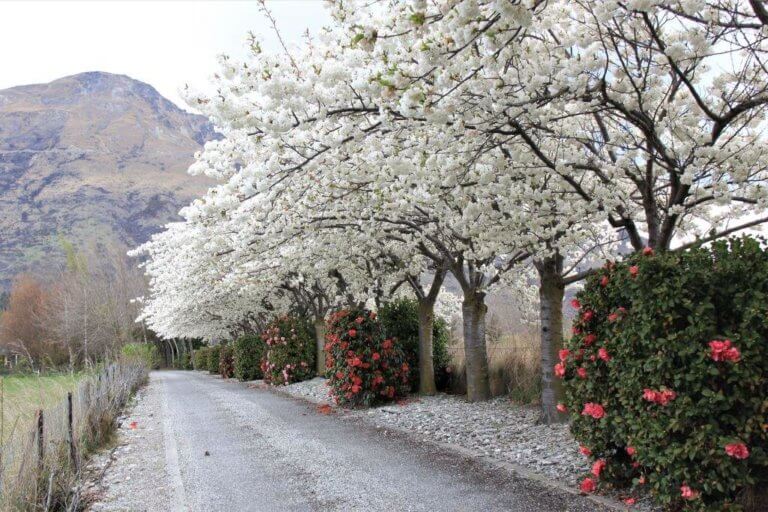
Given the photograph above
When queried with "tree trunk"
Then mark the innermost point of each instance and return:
(475, 354)
(320, 341)
(426, 350)
(551, 291)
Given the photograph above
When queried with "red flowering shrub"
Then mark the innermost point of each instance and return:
(667, 374)
(363, 366)
(289, 355)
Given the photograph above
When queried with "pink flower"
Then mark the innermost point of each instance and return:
(575, 304)
(352, 333)
(582, 372)
(662, 397)
(634, 270)
(560, 370)
(561, 407)
(604, 281)
(687, 493)
(629, 501)
(376, 356)
(590, 339)
(647, 251)
(737, 450)
(631, 451)
(613, 317)
(563, 354)
(598, 467)
(585, 451)
(588, 485)
(588, 315)
(592, 409)
(724, 351)
(602, 353)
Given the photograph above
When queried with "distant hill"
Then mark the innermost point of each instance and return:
(95, 158)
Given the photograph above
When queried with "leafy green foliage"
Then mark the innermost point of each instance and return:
(212, 362)
(400, 320)
(290, 351)
(248, 351)
(185, 361)
(662, 397)
(226, 361)
(146, 353)
(364, 366)
(200, 358)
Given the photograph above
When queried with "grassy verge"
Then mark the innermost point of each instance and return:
(21, 396)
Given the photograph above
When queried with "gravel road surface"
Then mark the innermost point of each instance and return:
(204, 444)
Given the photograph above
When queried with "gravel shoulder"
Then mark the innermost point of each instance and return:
(202, 443)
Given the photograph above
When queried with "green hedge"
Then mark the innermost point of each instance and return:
(667, 374)
(400, 319)
(248, 351)
(200, 358)
(212, 363)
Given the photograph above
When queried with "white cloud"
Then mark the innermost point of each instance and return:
(164, 43)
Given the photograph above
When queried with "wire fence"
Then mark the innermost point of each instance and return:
(40, 463)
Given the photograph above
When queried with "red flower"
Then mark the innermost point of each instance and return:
(359, 320)
(588, 485)
(387, 344)
(563, 354)
(629, 501)
(352, 333)
(687, 493)
(724, 351)
(376, 356)
(356, 362)
(590, 339)
(588, 315)
(634, 270)
(592, 409)
(604, 281)
(598, 467)
(737, 450)
(355, 388)
(575, 330)
(585, 451)
(561, 407)
(631, 451)
(613, 317)
(575, 304)
(662, 397)
(603, 354)
(560, 370)
(405, 367)
(647, 251)
(582, 372)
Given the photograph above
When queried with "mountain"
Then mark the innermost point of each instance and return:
(94, 158)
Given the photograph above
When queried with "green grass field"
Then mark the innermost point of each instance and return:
(23, 395)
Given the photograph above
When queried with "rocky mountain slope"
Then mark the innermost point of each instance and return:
(94, 158)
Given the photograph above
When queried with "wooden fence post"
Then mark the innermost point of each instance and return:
(71, 433)
(40, 440)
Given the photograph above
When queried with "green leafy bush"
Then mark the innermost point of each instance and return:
(200, 358)
(364, 366)
(185, 361)
(226, 361)
(290, 351)
(400, 319)
(212, 363)
(147, 353)
(248, 351)
(667, 374)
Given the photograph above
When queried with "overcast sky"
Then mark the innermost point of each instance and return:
(164, 43)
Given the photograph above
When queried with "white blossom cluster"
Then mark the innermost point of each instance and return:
(414, 138)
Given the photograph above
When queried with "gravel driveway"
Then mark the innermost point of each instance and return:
(204, 444)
